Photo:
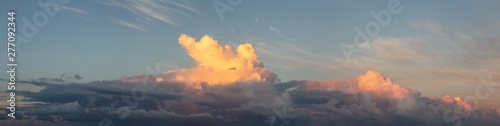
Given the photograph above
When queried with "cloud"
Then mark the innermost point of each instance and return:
(372, 99)
(220, 65)
(457, 58)
(277, 31)
(67, 8)
(69, 76)
(128, 24)
(169, 101)
(76, 10)
(369, 99)
(68, 108)
(160, 114)
(380, 87)
(151, 10)
(233, 88)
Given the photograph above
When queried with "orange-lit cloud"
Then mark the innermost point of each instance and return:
(373, 82)
(376, 83)
(380, 88)
(218, 64)
(457, 100)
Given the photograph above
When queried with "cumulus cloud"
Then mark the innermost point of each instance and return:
(375, 83)
(372, 99)
(218, 64)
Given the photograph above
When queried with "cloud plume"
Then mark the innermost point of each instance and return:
(218, 64)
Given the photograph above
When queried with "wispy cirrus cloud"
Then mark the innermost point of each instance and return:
(76, 10)
(128, 24)
(152, 10)
(277, 31)
(80, 13)
(59, 7)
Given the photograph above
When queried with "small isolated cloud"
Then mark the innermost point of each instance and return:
(69, 76)
(277, 31)
(128, 24)
(59, 7)
(76, 10)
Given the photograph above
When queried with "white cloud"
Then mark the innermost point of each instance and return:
(79, 11)
(128, 24)
(277, 31)
(165, 11)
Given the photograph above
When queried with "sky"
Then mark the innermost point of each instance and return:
(419, 50)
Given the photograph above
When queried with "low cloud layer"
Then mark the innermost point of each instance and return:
(233, 88)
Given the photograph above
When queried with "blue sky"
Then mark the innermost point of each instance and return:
(297, 40)
(447, 49)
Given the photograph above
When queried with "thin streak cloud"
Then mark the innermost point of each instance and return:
(277, 31)
(166, 11)
(128, 24)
